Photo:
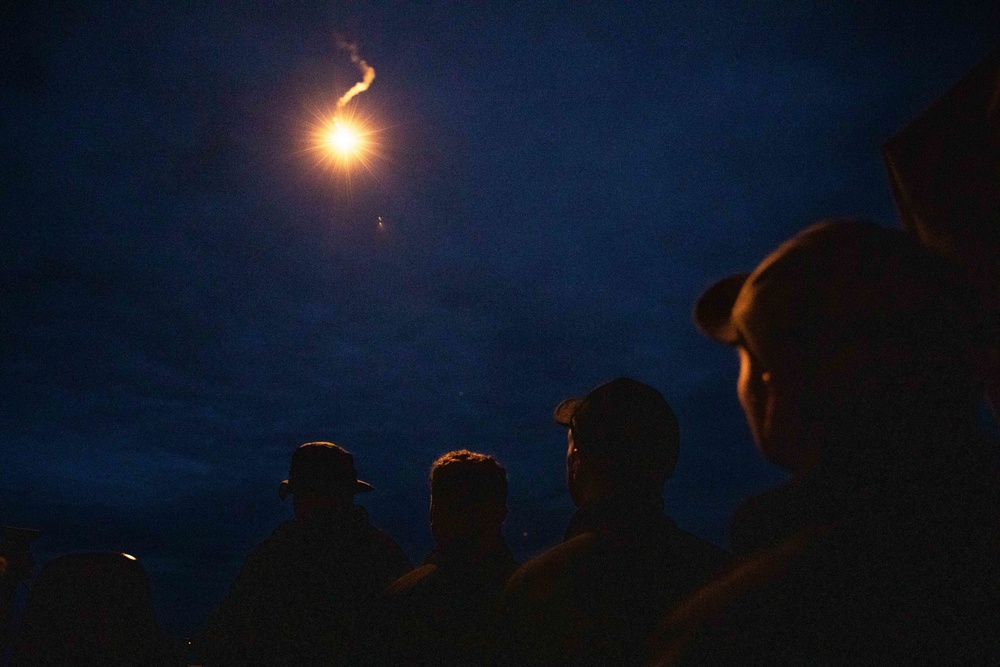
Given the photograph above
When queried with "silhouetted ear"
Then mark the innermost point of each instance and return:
(494, 512)
(431, 517)
(573, 462)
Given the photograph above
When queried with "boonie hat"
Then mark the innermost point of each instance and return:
(322, 467)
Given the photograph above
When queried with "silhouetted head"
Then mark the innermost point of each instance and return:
(322, 478)
(850, 336)
(90, 609)
(944, 167)
(623, 439)
(468, 499)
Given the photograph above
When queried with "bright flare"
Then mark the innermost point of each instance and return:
(343, 139)
(343, 142)
(340, 140)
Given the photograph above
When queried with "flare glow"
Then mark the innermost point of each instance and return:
(343, 142)
(340, 139)
(343, 138)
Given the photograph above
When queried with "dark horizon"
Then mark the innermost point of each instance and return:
(187, 297)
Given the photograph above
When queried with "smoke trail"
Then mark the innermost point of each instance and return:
(367, 74)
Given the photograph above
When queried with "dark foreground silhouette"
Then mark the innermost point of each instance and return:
(89, 610)
(300, 594)
(860, 373)
(16, 563)
(596, 598)
(439, 614)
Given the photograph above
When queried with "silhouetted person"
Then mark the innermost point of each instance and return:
(859, 373)
(92, 610)
(299, 595)
(595, 599)
(438, 614)
(16, 563)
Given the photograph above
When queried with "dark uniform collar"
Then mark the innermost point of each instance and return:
(866, 488)
(352, 515)
(499, 557)
(618, 514)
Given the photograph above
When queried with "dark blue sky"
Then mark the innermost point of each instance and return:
(186, 297)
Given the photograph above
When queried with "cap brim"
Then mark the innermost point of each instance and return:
(563, 414)
(713, 312)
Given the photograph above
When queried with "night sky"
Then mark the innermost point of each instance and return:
(187, 296)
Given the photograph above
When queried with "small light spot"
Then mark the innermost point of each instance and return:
(129, 556)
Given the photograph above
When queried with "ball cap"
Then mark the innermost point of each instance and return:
(623, 420)
(833, 282)
(322, 467)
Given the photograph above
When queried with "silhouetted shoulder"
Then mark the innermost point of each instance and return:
(901, 582)
(536, 623)
(547, 575)
(410, 581)
(391, 556)
(275, 546)
(704, 555)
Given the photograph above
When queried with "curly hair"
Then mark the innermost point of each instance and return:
(468, 478)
